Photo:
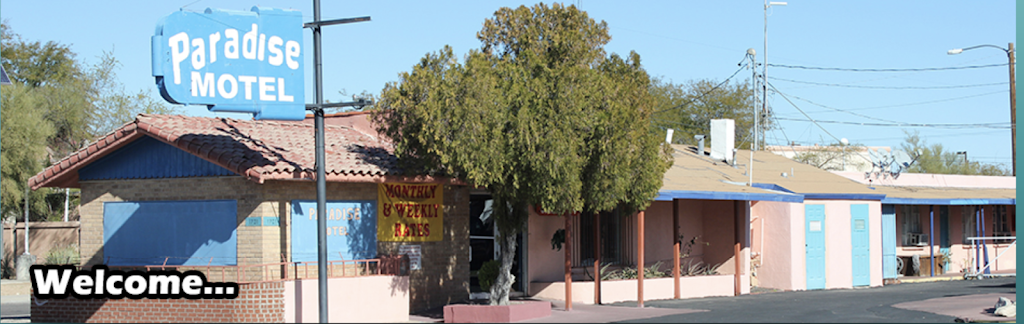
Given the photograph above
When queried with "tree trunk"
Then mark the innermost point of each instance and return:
(503, 284)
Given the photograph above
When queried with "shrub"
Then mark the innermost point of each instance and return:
(67, 254)
(488, 274)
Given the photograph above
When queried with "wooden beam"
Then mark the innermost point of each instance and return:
(737, 221)
(568, 262)
(675, 247)
(640, 259)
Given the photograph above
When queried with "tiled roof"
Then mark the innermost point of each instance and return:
(257, 150)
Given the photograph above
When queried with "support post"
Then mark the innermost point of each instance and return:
(737, 248)
(675, 248)
(321, 177)
(597, 259)
(640, 259)
(1013, 106)
(977, 245)
(984, 245)
(568, 262)
(931, 237)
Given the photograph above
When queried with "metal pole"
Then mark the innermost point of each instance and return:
(977, 232)
(597, 258)
(984, 245)
(321, 181)
(1013, 106)
(753, 146)
(67, 197)
(26, 220)
(764, 71)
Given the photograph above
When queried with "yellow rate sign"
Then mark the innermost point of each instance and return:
(410, 212)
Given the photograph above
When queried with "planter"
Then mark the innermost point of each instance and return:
(513, 312)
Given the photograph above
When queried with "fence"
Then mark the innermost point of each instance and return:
(43, 236)
(977, 244)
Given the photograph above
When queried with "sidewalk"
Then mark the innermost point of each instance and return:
(951, 276)
(580, 313)
(14, 287)
(969, 308)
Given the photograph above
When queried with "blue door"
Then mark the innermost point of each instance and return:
(815, 241)
(889, 242)
(861, 245)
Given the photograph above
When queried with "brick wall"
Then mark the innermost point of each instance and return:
(262, 302)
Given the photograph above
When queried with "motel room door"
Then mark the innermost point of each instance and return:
(889, 242)
(861, 245)
(815, 243)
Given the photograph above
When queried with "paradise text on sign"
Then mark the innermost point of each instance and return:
(351, 230)
(410, 212)
(233, 61)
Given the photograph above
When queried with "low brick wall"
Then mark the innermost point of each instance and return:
(258, 302)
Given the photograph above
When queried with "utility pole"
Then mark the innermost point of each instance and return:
(1013, 106)
(764, 73)
(321, 177)
(753, 146)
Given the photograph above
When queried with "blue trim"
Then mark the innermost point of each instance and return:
(771, 186)
(844, 196)
(149, 158)
(668, 195)
(940, 202)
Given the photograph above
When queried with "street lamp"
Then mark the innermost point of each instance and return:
(1013, 94)
(965, 155)
(764, 71)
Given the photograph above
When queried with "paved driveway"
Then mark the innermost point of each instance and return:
(839, 305)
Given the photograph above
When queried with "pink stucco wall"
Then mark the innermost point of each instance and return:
(712, 220)
(783, 249)
(613, 291)
(378, 299)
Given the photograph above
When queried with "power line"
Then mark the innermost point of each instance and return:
(1005, 125)
(890, 87)
(706, 92)
(886, 70)
(925, 102)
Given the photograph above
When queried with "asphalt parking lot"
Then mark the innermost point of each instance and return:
(863, 305)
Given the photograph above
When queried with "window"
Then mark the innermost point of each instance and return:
(616, 238)
(970, 226)
(911, 217)
(1001, 223)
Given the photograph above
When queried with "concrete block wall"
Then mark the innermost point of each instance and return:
(95, 193)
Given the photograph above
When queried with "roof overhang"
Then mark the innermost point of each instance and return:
(669, 195)
(943, 201)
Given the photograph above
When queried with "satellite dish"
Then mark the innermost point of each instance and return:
(4, 80)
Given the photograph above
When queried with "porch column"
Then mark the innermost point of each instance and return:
(675, 246)
(568, 262)
(737, 239)
(640, 259)
(984, 244)
(977, 233)
(597, 259)
(931, 236)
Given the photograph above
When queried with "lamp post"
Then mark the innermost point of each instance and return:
(1013, 94)
(764, 71)
(965, 155)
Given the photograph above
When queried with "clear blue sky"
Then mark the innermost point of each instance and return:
(677, 40)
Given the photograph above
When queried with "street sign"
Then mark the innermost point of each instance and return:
(232, 61)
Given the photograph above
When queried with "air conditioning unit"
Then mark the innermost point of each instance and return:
(922, 239)
(915, 239)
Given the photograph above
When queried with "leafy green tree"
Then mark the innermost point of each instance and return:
(935, 159)
(77, 102)
(22, 150)
(539, 115)
(689, 107)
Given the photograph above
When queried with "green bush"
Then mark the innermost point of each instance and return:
(67, 254)
(488, 274)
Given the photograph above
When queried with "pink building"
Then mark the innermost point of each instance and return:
(797, 227)
(933, 216)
